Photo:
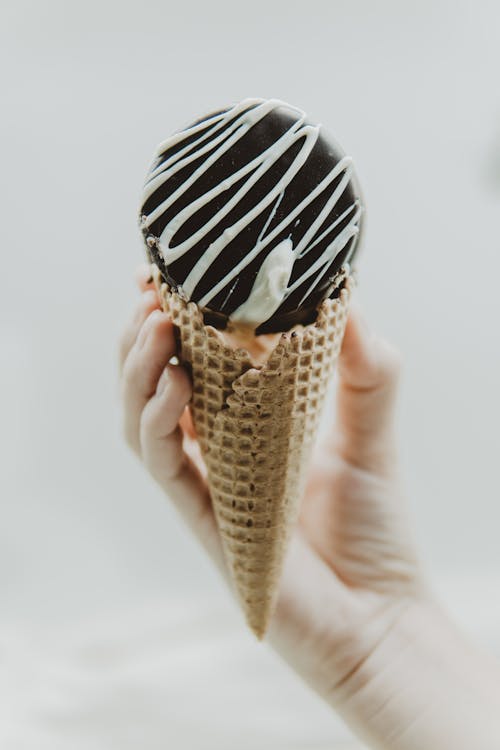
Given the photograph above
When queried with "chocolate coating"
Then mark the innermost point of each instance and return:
(234, 185)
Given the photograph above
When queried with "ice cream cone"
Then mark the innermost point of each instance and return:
(256, 426)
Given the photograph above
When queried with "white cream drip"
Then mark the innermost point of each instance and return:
(270, 287)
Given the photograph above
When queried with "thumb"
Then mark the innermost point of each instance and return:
(368, 383)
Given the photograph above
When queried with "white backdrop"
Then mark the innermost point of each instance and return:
(411, 92)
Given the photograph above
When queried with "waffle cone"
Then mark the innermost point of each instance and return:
(256, 426)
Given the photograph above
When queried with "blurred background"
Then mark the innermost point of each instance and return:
(115, 632)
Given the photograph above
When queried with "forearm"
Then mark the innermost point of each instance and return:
(424, 688)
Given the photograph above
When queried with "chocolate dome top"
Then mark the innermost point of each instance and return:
(253, 188)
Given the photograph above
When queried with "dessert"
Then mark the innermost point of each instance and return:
(251, 217)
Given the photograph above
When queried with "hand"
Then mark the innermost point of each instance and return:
(354, 617)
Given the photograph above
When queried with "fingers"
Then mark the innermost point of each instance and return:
(163, 453)
(368, 384)
(160, 433)
(155, 394)
(146, 361)
(161, 439)
(147, 303)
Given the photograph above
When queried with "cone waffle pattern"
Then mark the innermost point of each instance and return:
(256, 428)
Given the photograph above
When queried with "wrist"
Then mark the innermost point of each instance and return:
(422, 686)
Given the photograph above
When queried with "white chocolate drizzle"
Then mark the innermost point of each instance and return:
(214, 137)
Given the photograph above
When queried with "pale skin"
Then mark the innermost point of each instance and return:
(355, 616)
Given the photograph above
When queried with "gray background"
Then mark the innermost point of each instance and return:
(411, 92)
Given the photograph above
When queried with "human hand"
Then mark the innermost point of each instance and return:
(354, 617)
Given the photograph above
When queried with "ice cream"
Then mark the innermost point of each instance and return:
(251, 213)
(251, 218)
